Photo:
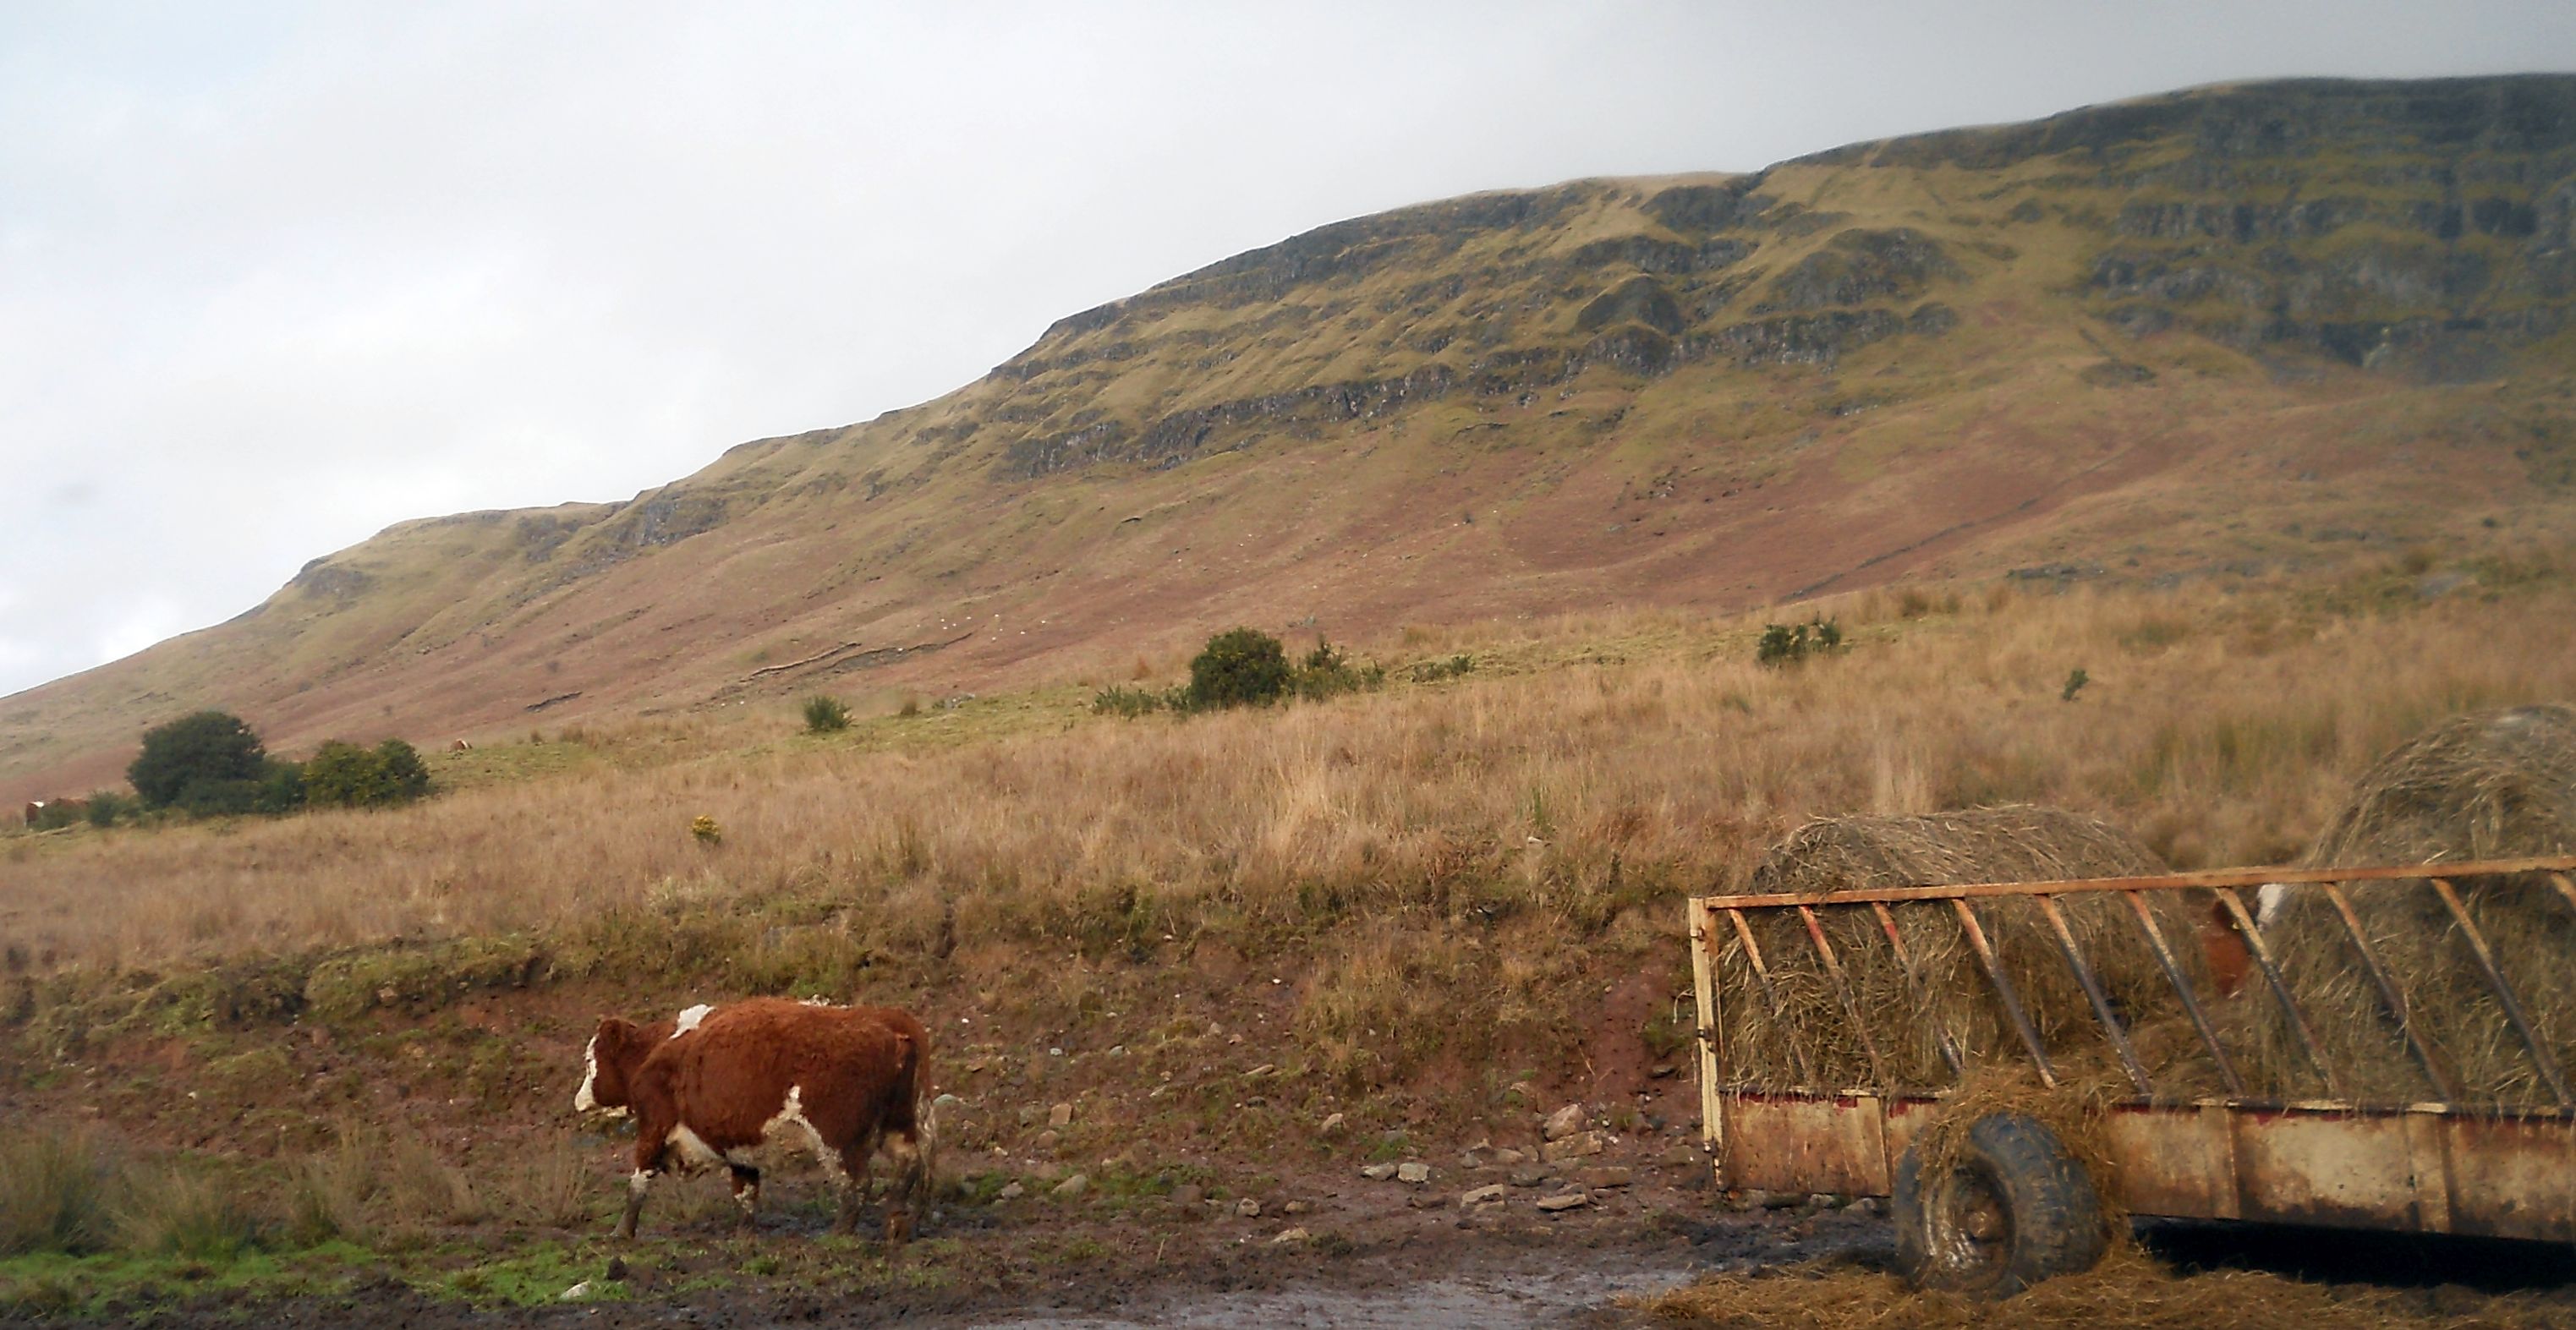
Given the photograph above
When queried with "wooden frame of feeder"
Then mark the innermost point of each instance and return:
(2440, 1167)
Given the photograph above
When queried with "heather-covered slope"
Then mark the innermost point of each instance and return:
(2184, 337)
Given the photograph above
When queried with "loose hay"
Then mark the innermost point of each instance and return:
(2489, 785)
(2015, 843)
(2127, 1291)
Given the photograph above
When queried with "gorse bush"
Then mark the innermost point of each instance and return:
(343, 775)
(825, 714)
(1240, 667)
(210, 761)
(1789, 643)
(1245, 667)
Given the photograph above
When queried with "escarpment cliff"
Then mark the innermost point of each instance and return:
(2166, 339)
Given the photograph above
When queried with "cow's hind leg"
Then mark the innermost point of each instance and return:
(848, 1182)
(910, 1185)
(746, 1191)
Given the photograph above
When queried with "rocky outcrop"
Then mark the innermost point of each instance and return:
(1858, 266)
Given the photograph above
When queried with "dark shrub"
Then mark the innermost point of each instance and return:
(825, 714)
(1240, 667)
(211, 747)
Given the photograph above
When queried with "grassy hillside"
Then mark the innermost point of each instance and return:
(2183, 339)
(1433, 909)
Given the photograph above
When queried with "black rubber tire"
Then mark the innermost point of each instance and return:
(2015, 1207)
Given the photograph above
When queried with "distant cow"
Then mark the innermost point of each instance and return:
(711, 1086)
(460, 746)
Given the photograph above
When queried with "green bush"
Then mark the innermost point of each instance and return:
(212, 748)
(1240, 667)
(1433, 671)
(825, 714)
(1787, 643)
(1328, 673)
(1133, 702)
(281, 787)
(343, 775)
(106, 808)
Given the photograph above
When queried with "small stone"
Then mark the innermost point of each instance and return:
(1817, 1200)
(1492, 1195)
(1188, 1194)
(576, 1293)
(1331, 1125)
(1291, 1237)
(1011, 1191)
(1377, 1172)
(1870, 1205)
(1575, 1146)
(1073, 1187)
(617, 1269)
(1564, 1122)
(1417, 1174)
(1663, 1070)
(1600, 1178)
(1563, 1201)
(946, 1101)
(1529, 1177)
(1046, 1170)
(1780, 1200)
(1295, 1208)
(1060, 1116)
(1507, 1156)
(1048, 1140)
(1248, 1208)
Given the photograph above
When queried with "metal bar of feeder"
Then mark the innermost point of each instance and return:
(2446, 1083)
(2182, 989)
(1922, 992)
(2220, 878)
(1851, 1003)
(2262, 952)
(2004, 989)
(2094, 994)
(2540, 1054)
(1779, 1010)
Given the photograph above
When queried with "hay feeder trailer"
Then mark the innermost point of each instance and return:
(2012, 1206)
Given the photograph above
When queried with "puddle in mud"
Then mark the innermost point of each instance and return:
(1491, 1302)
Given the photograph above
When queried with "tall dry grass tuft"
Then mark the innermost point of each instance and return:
(1586, 769)
(56, 1188)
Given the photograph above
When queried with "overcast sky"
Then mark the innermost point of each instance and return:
(275, 276)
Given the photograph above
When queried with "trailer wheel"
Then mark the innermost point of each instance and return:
(2013, 1209)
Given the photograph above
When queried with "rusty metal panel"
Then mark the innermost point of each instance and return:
(2347, 1170)
(2173, 1161)
(2510, 1178)
(1785, 1143)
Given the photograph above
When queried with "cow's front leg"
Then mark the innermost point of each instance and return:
(636, 1186)
(648, 1165)
(746, 1192)
(847, 1184)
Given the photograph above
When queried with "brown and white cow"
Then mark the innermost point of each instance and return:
(712, 1085)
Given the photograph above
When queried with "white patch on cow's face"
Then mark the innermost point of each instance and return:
(2268, 899)
(689, 1019)
(582, 1102)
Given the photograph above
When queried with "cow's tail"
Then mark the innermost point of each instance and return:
(921, 1174)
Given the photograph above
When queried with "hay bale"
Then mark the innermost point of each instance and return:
(2015, 843)
(2487, 785)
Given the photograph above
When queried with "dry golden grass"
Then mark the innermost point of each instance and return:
(2128, 1291)
(1584, 775)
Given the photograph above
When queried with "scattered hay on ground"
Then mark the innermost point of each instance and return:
(2127, 1291)
(2488, 785)
(2015, 843)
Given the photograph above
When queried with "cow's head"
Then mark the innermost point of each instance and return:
(616, 1049)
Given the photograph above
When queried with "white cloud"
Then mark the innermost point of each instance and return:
(274, 277)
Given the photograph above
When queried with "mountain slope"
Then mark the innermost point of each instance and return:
(2191, 335)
